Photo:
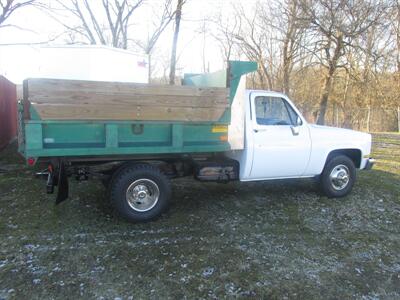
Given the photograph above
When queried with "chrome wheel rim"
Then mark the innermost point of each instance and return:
(142, 195)
(340, 177)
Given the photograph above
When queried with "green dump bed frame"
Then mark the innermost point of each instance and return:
(52, 138)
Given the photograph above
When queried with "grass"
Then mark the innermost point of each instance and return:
(271, 240)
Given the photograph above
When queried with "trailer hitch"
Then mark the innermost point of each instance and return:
(51, 179)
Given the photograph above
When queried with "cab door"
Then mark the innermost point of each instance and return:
(281, 138)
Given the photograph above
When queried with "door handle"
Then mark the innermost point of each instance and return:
(295, 130)
(259, 130)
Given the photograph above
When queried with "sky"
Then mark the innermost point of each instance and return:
(36, 26)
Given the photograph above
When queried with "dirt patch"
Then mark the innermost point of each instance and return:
(275, 239)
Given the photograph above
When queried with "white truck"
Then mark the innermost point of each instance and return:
(138, 137)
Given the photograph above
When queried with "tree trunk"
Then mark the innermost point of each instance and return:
(267, 75)
(346, 112)
(178, 15)
(323, 105)
(337, 116)
(368, 118)
(333, 63)
(287, 64)
(286, 81)
(285, 67)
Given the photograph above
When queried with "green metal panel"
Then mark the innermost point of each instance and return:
(90, 138)
(125, 151)
(141, 135)
(177, 136)
(34, 136)
(112, 135)
(219, 79)
(72, 135)
(216, 79)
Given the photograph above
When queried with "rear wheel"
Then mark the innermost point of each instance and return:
(338, 177)
(140, 193)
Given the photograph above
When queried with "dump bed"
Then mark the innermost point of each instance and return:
(69, 118)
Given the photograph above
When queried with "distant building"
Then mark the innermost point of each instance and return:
(97, 63)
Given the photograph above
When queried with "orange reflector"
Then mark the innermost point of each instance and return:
(223, 138)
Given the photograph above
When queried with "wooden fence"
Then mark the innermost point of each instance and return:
(370, 119)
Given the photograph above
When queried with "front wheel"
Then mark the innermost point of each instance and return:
(338, 177)
(140, 193)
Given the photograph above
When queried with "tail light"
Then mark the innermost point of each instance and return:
(31, 161)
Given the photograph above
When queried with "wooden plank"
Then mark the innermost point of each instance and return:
(37, 86)
(56, 99)
(144, 113)
(126, 99)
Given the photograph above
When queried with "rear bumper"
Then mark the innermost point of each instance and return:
(369, 164)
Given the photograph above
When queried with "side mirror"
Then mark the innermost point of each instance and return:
(299, 122)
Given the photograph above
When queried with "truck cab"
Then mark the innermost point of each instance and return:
(280, 143)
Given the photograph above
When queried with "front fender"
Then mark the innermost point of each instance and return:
(328, 141)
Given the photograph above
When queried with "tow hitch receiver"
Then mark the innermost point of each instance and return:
(50, 178)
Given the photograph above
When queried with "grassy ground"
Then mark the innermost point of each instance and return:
(274, 240)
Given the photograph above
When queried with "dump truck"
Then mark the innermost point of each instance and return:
(136, 138)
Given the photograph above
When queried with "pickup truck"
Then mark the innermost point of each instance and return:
(256, 135)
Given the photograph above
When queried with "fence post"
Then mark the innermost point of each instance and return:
(337, 115)
(398, 118)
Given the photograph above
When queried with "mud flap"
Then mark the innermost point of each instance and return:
(62, 181)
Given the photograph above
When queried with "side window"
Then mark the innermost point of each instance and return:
(274, 111)
(293, 115)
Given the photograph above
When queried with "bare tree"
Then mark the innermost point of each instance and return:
(226, 31)
(159, 22)
(256, 41)
(178, 16)
(9, 7)
(272, 36)
(334, 24)
(105, 24)
(395, 28)
(292, 28)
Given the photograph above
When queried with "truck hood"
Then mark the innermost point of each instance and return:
(340, 132)
(341, 138)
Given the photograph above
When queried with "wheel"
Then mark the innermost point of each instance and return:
(338, 177)
(140, 193)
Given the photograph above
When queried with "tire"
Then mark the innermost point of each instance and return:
(140, 193)
(105, 181)
(338, 176)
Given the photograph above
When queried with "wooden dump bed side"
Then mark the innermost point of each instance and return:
(108, 120)
(55, 99)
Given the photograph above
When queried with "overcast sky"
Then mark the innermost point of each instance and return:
(39, 27)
